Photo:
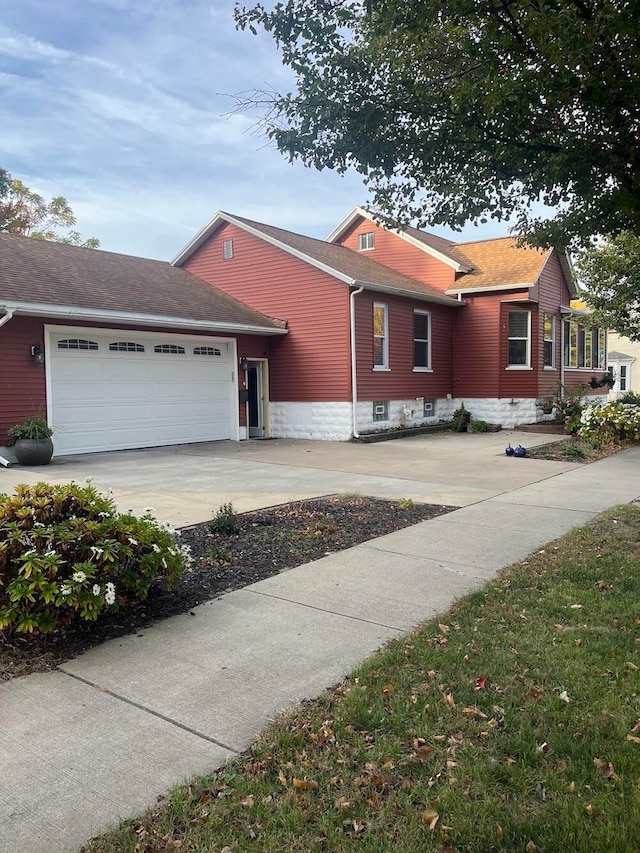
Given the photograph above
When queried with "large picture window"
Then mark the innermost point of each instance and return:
(380, 337)
(421, 340)
(584, 348)
(519, 350)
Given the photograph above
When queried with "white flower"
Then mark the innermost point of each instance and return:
(133, 541)
(96, 589)
(110, 597)
(147, 510)
(103, 514)
(79, 577)
(65, 590)
(155, 548)
(96, 552)
(110, 587)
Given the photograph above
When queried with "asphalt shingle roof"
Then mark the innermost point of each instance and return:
(501, 262)
(39, 271)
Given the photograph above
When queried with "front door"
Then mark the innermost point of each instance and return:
(256, 399)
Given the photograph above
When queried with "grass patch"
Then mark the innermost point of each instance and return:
(509, 723)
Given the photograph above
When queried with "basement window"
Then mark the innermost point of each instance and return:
(429, 409)
(380, 410)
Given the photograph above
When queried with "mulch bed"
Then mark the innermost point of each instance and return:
(269, 541)
(574, 450)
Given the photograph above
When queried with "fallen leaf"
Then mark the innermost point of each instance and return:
(444, 628)
(430, 818)
(387, 690)
(531, 847)
(305, 784)
(576, 607)
(448, 698)
(630, 667)
(480, 682)
(633, 738)
(499, 831)
(544, 748)
(247, 801)
(282, 778)
(565, 697)
(603, 585)
(605, 768)
(589, 809)
(473, 711)
(342, 803)
(571, 787)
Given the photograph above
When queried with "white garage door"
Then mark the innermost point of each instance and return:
(121, 389)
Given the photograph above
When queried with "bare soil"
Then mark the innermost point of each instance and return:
(267, 542)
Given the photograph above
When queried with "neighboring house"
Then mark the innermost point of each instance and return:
(435, 323)
(136, 353)
(621, 358)
(375, 328)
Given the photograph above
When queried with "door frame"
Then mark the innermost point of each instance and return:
(262, 365)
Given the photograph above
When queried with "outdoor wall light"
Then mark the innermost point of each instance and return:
(37, 353)
(243, 362)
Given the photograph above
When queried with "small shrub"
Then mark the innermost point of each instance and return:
(405, 503)
(226, 521)
(35, 427)
(217, 555)
(67, 554)
(611, 423)
(478, 426)
(460, 419)
(630, 397)
(573, 450)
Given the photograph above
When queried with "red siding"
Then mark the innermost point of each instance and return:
(395, 252)
(400, 382)
(552, 293)
(519, 383)
(22, 382)
(312, 361)
(476, 336)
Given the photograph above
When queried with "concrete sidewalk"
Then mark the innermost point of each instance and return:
(98, 739)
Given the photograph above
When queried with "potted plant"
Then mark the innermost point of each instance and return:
(546, 404)
(31, 441)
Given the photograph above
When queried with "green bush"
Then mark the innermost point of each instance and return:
(67, 554)
(226, 521)
(35, 427)
(630, 397)
(610, 424)
(478, 426)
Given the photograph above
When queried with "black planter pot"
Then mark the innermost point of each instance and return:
(33, 451)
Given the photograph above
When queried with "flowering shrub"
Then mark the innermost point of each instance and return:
(610, 424)
(568, 405)
(67, 554)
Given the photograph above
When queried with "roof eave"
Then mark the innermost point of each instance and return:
(203, 234)
(488, 289)
(410, 294)
(43, 309)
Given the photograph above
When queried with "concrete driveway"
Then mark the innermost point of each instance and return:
(186, 484)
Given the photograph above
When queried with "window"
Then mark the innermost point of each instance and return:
(125, 346)
(366, 241)
(380, 410)
(380, 337)
(206, 351)
(77, 343)
(622, 373)
(429, 409)
(549, 355)
(519, 327)
(169, 349)
(583, 348)
(227, 249)
(421, 340)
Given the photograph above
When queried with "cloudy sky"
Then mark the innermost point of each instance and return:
(119, 105)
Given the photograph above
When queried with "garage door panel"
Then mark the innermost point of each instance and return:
(109, 400)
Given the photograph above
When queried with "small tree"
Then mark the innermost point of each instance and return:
(25, 212)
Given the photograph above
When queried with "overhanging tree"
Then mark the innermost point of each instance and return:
(466, 110)
(27, 213)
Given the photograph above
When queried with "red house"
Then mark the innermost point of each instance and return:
(255, 331)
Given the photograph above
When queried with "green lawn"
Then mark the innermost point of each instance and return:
(512, 722)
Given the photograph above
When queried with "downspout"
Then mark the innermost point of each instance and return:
(9, 312)
(8, 315)
(354, 373)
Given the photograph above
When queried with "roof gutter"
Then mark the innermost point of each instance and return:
(354, 371)
(409, 294)
(37, 309)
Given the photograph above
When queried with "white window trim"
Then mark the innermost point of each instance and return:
(385, 339)
(526, 366)
(366, 248)
(227, 249)
(554, 351)
(428, 368)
